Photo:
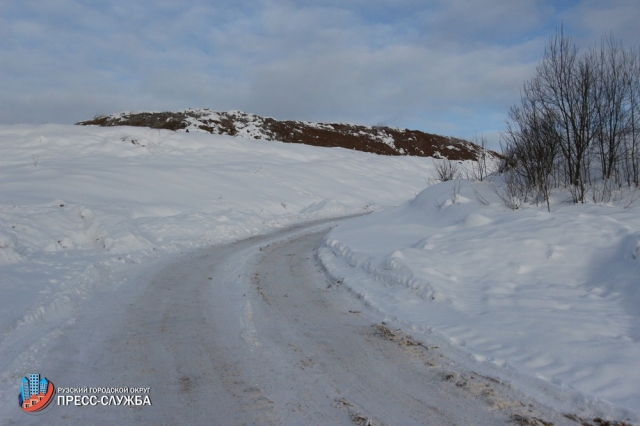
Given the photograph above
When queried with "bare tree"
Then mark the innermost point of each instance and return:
(632, 140)
(611, 100)
(532, 143)
(564, 88)
(578, 121)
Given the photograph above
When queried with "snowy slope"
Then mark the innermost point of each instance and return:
(78, 204)
(554, 296)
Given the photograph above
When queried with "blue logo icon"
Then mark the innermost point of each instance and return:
(36, 393)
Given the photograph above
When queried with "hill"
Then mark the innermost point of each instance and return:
(375, 139)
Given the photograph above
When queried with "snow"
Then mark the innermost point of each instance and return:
(74, 196)
(550, 296)
(79, 205)
(548, 301)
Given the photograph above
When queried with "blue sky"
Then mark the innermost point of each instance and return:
(451, 67)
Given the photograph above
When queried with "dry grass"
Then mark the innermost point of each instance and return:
(360, 138)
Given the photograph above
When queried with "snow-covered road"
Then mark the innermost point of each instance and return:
(255, 332)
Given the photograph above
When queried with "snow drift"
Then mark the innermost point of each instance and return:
(554, 295)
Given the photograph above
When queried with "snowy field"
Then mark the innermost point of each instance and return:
(548, 301)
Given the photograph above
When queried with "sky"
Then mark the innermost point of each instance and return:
(451, 67)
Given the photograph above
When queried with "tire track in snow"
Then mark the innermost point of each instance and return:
(190, 331)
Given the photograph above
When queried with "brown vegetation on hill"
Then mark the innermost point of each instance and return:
(380, 140)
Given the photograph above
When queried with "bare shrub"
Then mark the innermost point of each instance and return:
(457, 186)
(605, 192)
(632, 198)
(479, 197)
(514, 192)
(480, 168)
(446, 170)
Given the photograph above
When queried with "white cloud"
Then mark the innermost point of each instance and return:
(442, 66)
(592, 19)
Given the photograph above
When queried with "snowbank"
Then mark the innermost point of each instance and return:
(554, 295)
(79, 204)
